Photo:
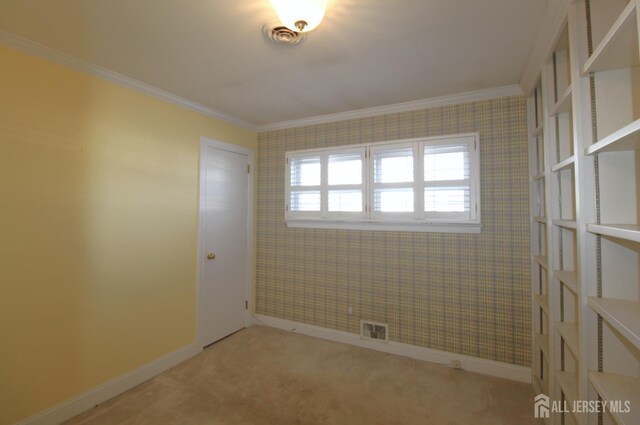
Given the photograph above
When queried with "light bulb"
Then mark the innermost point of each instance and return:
(300, 15)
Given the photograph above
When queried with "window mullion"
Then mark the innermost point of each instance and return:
(418, 181)
(324, 184)
(344, 187)
(287, 187)
(305, 188)
(447, 183)
(402, 185)
(474, 179)
(370, 183)
(342, 180)
(365, 182)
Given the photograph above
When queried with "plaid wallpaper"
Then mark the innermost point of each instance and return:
(464, 293)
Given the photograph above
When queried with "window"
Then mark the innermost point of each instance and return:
(447, 183)
(429, 184)
(393, 180)
(345, 186)
(305, 185)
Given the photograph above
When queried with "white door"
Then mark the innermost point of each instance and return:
(224, 251)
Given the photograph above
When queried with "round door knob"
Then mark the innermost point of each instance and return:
(211, 256)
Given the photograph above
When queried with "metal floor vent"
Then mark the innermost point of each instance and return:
(374, 330)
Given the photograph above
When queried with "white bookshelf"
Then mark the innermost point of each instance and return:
(629, 232)
(543, 343)
(563, 105)
(541, 260)
(587, 201)
(613, 387)
(568, 382)
(618, 48)
(566, 224)
(625, 139)
(538, 130)
(540, 286)
(564, 164)
(538, 177)
(568, 278)
(622, 315)
(611, 137)
(543, 302)
(569, 332)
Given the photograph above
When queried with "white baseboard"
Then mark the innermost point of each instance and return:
(471, 364)
(110, 389)
(116, 386)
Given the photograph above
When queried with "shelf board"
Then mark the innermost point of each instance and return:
(630, 232)
(563, 104)
(567, 224)
(541, 259)
(538, 130)
(564, 164)
(540, 386)
(623, 315)
(569, 383)
(543, 343)
(543, 301)
(569, 332)
(538, 176)
(625, 139)
(568, 278)
(562, 45)
(537, 385)
(613, 387)
(540, 219)
(619, 48)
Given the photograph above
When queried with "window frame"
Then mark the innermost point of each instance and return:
(471, 140)
(354, 215)
(391, 216)
(314, 188)
(419, 220)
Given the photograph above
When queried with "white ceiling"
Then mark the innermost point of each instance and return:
(366, 53)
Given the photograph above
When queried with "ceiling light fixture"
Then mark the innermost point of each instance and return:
(300, 15)
(280, 34)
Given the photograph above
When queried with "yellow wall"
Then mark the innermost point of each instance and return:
(98, 230)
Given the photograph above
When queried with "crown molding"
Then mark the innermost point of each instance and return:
(472, 96)
(39, 50)
(44, 52)
(554, 19)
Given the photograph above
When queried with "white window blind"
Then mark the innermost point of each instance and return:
(345, 169)
(305, 171)
(393, 165)
(345, 184)
(447, 191)
(393, 180)
(308, 200)
(412, 183)
(305, 177)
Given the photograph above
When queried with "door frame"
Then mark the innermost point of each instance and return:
(206, 142)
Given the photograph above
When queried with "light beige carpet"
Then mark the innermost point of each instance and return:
(267, 376)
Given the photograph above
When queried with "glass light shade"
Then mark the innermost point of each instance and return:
(291, 12)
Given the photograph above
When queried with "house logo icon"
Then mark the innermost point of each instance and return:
(541, 406)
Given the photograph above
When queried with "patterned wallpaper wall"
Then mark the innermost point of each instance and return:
(464, 293)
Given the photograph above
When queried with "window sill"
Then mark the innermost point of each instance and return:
(385, 226)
